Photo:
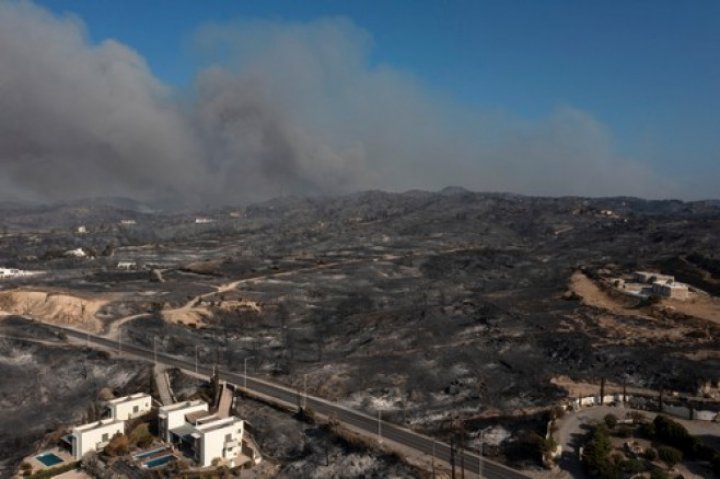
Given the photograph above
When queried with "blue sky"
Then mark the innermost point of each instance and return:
(648, 71)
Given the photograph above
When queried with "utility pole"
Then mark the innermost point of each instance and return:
(433, 459)
(452, 456)
(155, 349)
(119, 342)
(304, 392)
(480, 453)
(379, 420)
(462, 449)
(87, 339)
(245, 361)
(196, 359)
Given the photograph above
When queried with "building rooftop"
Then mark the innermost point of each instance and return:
(132, 397)
(179, 406)
(217, 424)
(97, 425)
(199, 416)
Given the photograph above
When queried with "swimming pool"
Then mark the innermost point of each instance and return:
(49, 459)
(160, 461)
(150, 453)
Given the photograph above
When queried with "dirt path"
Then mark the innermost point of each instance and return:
(591, 295)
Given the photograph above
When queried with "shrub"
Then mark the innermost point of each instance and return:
(669, 455)
(632, 466)
(673, 434)
(611, 421)
(118, 445)
(624, 431)
(140, 435)
(651, 454)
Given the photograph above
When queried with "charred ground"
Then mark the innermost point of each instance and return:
(427, 305)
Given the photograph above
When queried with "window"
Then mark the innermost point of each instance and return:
(104, 437)
(228, 437)
(136, 408)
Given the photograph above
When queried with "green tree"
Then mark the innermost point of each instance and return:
(669, 455)
(611, 421)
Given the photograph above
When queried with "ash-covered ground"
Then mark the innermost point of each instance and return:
(45, 385)
(428, 306)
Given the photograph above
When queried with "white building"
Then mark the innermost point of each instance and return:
(203, 221)
(76, 253)
(94, 436)
(129, 407)
(172, 418)
(126, 265)
(203, 436)
(15, 273)
(671, 290)
(219, 438)
(128, 222)
(82, 229)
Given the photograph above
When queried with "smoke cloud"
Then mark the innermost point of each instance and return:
(276, 109)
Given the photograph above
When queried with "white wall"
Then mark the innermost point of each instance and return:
(96, 438)
(213, 444)
(126, 409)
(176, 417)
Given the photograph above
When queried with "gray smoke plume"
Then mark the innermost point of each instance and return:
(276, 108)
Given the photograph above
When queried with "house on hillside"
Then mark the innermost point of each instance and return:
(126, 265)
(93, 436)
(129, 407)
(205, 437)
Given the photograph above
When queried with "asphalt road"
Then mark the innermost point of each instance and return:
(371, 426)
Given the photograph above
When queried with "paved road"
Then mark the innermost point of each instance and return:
(366, 424)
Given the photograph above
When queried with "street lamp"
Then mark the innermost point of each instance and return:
(196, 359)
(245, 361)
(304, 392)
(155, 349)
(379, 420)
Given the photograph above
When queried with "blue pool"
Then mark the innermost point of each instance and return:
(49, 459)
(149, 453)
(160, 461)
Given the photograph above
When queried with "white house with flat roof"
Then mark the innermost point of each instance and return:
(129, 407)
(94, 436)
(172, 417)
(220, 438)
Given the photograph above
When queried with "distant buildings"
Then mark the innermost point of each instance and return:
(82, 229)
(6, 273)
(663, 285)
(127, 265)
(203, 220)
(128, 222)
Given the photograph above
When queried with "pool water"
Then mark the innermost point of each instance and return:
(160, 461)
(49, 459)
(149, 453)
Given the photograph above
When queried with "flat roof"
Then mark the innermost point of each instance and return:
(132, 397)
(97, 425)
(178, 406)
(184, 430)
(199, 416)
(217, 424)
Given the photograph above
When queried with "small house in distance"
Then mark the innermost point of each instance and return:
(670, 290)
(129, 407)
(663, 285)
(126, 265)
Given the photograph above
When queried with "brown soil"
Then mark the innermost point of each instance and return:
(55, 307)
